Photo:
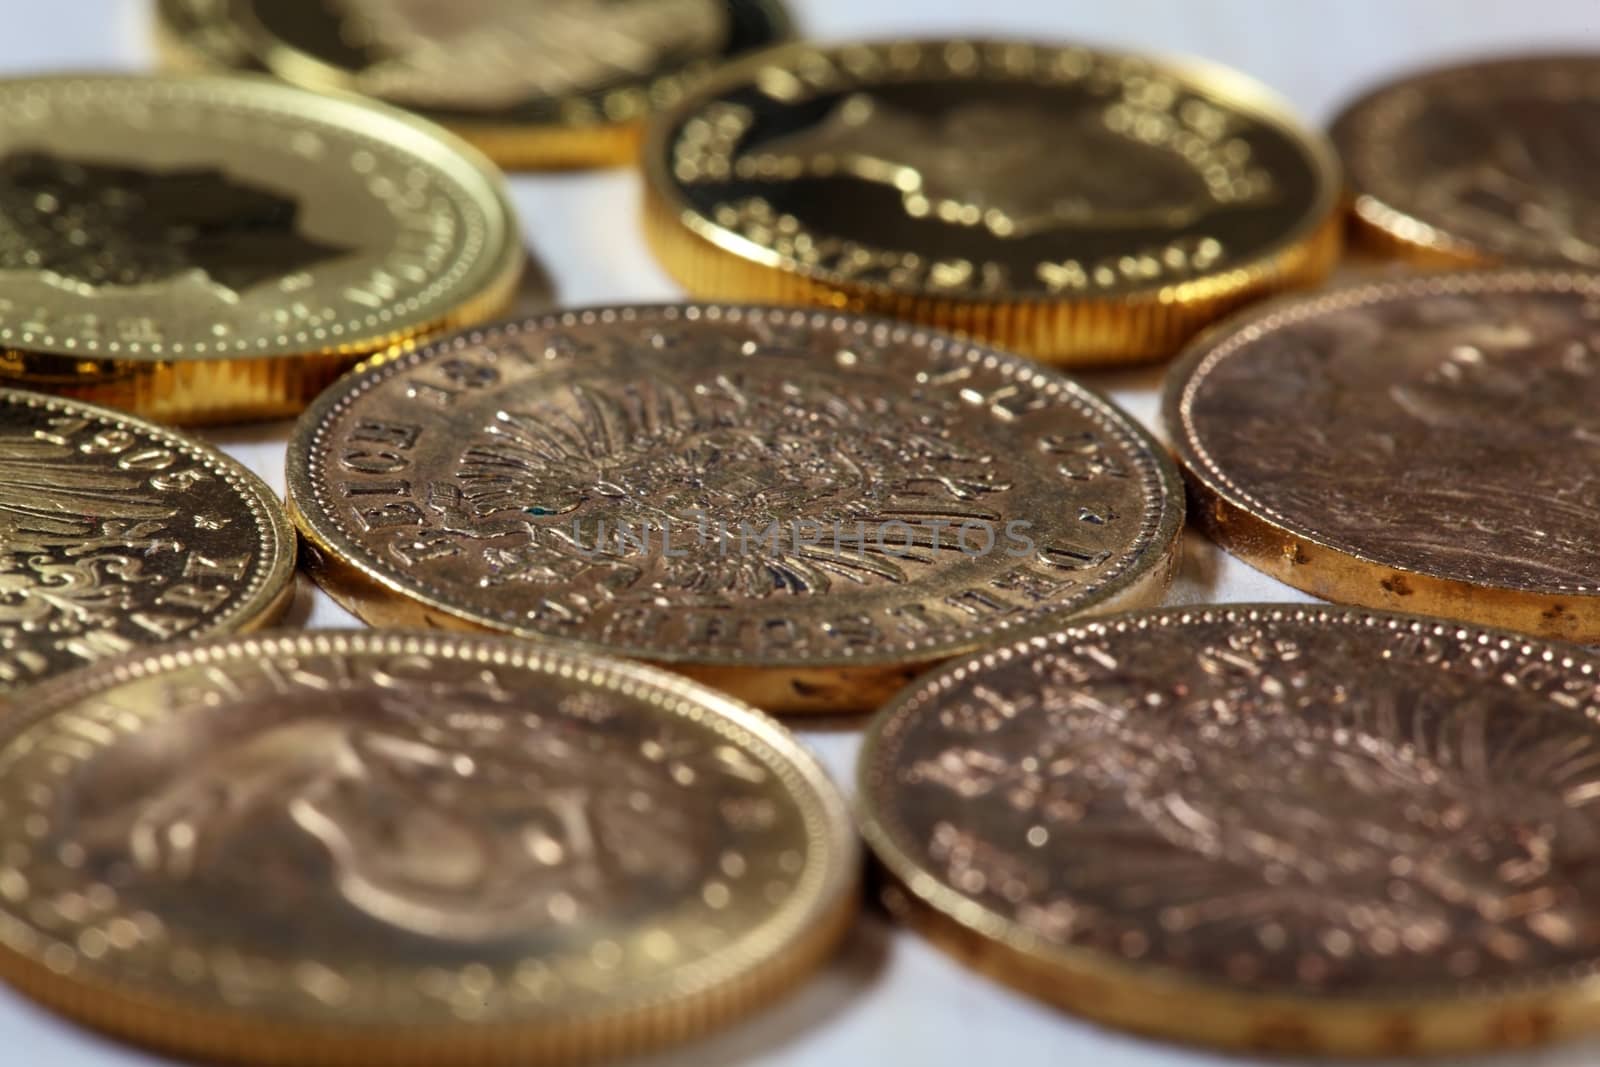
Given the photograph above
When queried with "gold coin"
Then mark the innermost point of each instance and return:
(1419, 443)
(202, 249)
(800, 507)
(533, 84)
(1268, 826)
(325, 848)
(1075, 205)
(1484, 163)
(115, 533)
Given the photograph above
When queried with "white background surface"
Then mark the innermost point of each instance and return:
(888, 999)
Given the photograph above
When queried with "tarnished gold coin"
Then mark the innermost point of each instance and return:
(800, 507)
(115, 533)
(204, 249)
(326, 848)
(1076, 205)
(1422, 443)
(1485, 163)
(534, 83)
(1271, 826)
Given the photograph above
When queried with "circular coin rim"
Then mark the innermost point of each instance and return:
(1233, 88)
(271, 586)
(761, 964)
(1404, 231)
(1272, 542)
(366, 120)
(1165, 1000)
(1156, 547)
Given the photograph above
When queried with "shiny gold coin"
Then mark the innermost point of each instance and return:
(1263, 827)
(203, 249)
(1484, 163)
(800, 507)
(115, 533)
(362, 848)
(1075, 205)
(533, 83)
(1423, 443)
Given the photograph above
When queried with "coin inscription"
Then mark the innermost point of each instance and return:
(115, 534)
(1487, 162)
(1432, 428)
(417, 837)
(888, 172)
(739, 487)
(1266, 802)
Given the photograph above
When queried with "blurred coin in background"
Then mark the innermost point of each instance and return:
(1478, 164)
(534, 84)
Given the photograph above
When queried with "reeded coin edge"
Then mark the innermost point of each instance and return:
(271, 586)
(1207, 479)
(361, 120)
(751, 972)
(1163, 1001)
(1317, 230)
(1142, 576)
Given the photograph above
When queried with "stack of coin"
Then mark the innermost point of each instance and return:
(208, 249)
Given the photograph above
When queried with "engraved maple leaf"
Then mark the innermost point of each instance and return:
(498, 53)
(86, 224)
(1016, 169)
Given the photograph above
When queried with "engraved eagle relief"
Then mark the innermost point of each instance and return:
(1272, 809)
(734, 455)
(1015, 169)
(87, 225)
(75, 539)
(462, 815)
(500, 53)
(1524, 174)
(1446, 434)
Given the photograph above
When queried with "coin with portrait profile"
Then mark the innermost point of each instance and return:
(1478, 164)
(800, 507)
(1420, 443)
(1072, 204)
(333, 848)
(533, 83)
(115, 534)
(1263, 827)
(201, 249)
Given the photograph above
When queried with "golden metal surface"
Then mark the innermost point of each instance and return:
(552, 84)
(409, 849)
(1420, 443)
(1263, 827)
(115, 534)
(771, 500)
(1075, 205)
(1478, 164)
(206, 249)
